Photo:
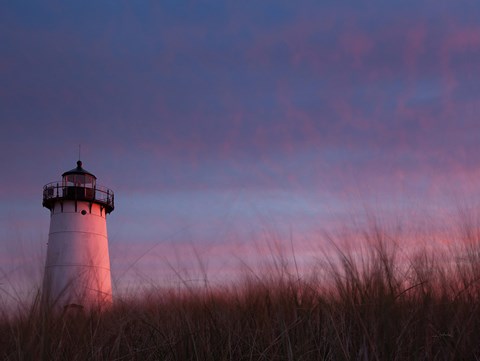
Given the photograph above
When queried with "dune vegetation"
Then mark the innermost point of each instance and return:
(370, 303)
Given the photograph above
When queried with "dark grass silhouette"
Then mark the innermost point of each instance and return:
(373, 304)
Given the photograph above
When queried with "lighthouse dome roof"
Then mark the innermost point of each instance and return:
(78, 170)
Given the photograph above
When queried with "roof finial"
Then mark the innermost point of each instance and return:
(79, 151)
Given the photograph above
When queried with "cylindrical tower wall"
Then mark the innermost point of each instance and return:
(77, 270)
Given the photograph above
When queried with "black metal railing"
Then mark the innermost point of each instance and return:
(55, 191)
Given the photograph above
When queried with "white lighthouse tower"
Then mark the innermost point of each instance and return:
(77, 270)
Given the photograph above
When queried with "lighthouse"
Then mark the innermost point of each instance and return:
(77, 268)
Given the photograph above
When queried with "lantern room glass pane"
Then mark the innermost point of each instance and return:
(79, 180)
(69, 180)
(89, 181)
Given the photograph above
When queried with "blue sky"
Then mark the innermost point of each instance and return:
(221, 124)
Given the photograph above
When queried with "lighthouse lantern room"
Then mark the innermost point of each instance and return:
(77, 269)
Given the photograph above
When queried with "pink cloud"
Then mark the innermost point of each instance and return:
(356, 45)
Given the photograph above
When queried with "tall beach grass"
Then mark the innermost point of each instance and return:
(370, 302)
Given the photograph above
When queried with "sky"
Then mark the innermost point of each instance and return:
(226, 128)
